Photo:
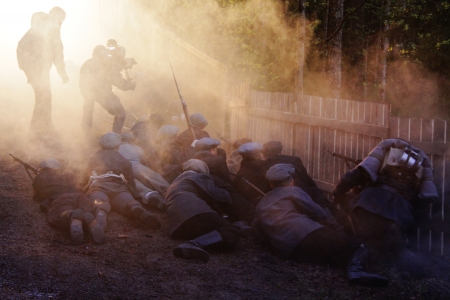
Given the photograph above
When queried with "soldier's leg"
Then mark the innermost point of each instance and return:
(211, 230)
(126, 205)
(101, 205)
(112, 104)
(41, 120)
(88, 112)
(150, 178)
(150, 198)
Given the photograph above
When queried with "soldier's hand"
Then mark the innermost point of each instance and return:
(65, 79)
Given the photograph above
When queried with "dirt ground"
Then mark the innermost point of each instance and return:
(38, 262)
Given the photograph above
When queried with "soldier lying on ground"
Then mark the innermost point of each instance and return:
(239, 209)
(397, 184)
(252, 170)
(302, 231)
(149, 184)
(67, 208)
(170, 154)
(234, 162)
(192, 203)
(271, 154)
(110, 179)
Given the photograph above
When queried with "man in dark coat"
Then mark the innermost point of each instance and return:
(271, 153)
(192, 204)
(37, 51)
(97, 76)
(110, 179)
(251, 173)
(302, 231)
(198, 123)
(240, 209)
(67, 208)
(397, 183)
(234, 162)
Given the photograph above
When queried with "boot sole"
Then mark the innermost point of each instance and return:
(191, 253)
(76, 234)
(97, 235)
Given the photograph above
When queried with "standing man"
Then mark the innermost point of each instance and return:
(97, 76)
(38, 49)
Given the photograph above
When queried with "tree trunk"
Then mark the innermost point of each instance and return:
(384, 54)
(301, 49)
(334, 61)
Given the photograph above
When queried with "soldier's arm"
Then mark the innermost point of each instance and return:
(58, 54)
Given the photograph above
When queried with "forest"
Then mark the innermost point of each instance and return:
(391, 51)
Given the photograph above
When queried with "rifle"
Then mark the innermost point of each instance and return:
(26, 166)
(186, 113)
(254, 187)
(346, 159)
(223, 138)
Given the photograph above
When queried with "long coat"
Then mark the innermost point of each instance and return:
(192, 194)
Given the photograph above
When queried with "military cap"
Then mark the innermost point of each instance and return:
(110, 140)
(206, 143)
(198, 120)
(280, 172)
(272, 148)
(249, 149)
(196, 165)
(168, 131)
(50, 163)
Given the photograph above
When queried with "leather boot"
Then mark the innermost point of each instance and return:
(155, 200)
(142, 218)
(95, 230)
(411, 264)
(356, 271)
(194, 248)
(101, 213)
(76, 225)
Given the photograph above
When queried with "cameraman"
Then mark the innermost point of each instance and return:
(97, 76)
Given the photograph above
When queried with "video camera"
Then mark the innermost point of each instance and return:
(117, 54)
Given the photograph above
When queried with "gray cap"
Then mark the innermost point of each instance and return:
(249, 149)
(196, 165)
(50, 163)
(206, 143)
(272, 148)
(168, 131)
(198, 120)
(110, 140)
(280, 172)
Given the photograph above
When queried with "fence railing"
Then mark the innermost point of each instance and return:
(310, 127)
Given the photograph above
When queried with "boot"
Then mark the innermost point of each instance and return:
(244, 228)
(76, 225)
(155, 200)
(356, 271)
(142, 218)
(194, 248)
(101, 213)
(95, 230)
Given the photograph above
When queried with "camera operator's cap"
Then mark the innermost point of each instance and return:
(206, 143)
(250, 149)
(241, 142)
(110, 140)
(50, 163)
(272, 148)
(280, 172)
(168, 131)
(198, 120)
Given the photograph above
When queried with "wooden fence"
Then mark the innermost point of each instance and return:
(310, 127)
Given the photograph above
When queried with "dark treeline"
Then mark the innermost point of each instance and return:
(393, 51)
